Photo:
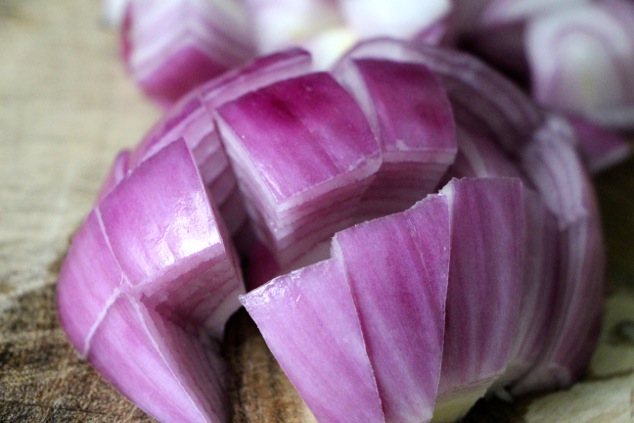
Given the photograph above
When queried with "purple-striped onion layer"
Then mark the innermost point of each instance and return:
(147, 286)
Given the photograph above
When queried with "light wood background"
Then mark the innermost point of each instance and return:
(66, 108)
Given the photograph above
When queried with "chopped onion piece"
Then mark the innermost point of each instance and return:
(398, 269)
(552, 163)
(472, 87)
(485, 284)
(300, 148)
(165, 39)
(411, 117)
(309, 321)
(539, 290)
(191, 118)
(149, 272)
(581, 60)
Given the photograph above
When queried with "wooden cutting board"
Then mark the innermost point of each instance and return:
(66, 108)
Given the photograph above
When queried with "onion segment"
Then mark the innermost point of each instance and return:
(168, 372)
(150, 272)
(553, 164)
(581, 61)
(485, 284)
(309, 321)
(539, 290)
(163, 40)
(301, 148)
(400, 296)
(411, 117)
(472, 87)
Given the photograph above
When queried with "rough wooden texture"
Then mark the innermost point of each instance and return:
(65, 109)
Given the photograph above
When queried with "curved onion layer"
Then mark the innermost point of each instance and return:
(150, 272)
(191, 118)
(581, 61)
(411, 117)
(492, 285)
(301, 149)
(483, 298)
(577, 55)
(170, 46)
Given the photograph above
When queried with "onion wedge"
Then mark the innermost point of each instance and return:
(149, 272)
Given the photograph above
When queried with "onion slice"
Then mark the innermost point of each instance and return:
(485, 284)
(191, 118)
(150, 272)
(581, 60)
(562, 182)
(400, 296)
(162, 40)
(301, 149)
(309, 321)
(411, 117)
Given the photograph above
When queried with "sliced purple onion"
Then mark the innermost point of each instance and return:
(552, 163)
(485, 285)
(192, 119)
(397, 307)
(473, 88)
(163, 40)
(581, 61)
(303, 153)
(493, 285)
(150, 272)
(400, 296)
(575, 56)
(310, 323)
(411, 117)
(539, 290)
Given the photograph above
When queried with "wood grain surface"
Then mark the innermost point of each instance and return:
(66, 108)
